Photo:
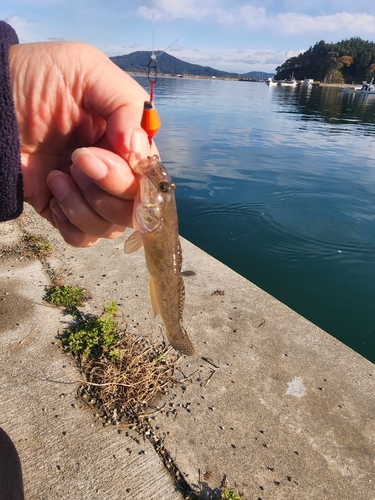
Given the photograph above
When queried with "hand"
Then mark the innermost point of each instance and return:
(69, 95)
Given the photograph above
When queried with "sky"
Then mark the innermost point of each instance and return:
(231, 35)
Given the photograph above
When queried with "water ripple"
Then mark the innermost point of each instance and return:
(288, 232)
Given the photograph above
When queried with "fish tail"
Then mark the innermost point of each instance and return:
(181, 342)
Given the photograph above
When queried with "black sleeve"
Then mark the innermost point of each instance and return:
(11, 185)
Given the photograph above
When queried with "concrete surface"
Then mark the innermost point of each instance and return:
(66, 453)
(280, 407)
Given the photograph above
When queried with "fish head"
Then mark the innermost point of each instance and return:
(156, 189)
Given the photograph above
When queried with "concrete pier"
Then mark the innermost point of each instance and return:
(272, 402)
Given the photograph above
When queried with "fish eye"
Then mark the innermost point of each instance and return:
(164, 187)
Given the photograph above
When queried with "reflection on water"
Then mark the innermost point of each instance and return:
(328, 104)
(279, 184)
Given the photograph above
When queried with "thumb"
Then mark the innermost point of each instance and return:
(119, 99)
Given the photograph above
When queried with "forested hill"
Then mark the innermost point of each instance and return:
(347, 61)
(138, 61)
(170, 65)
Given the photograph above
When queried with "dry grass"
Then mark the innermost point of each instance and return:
(126, 388)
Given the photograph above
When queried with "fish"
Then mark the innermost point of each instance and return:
(156, 229)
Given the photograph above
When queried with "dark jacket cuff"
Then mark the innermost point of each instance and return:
(11, 185)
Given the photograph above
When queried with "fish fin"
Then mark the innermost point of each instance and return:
(181, 296)
(134, 242)
(180, 341)
(154, 302)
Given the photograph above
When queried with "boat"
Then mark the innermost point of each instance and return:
(288, 83)
(353, 88)
(271, 82)
(307, 82)
(366, 88)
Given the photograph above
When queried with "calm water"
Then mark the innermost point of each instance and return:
(279, 184)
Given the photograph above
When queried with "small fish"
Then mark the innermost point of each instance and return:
(156, 228)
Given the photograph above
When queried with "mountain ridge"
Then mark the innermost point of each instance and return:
(138, 62)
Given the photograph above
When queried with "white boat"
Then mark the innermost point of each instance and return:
(271, 82)
(353, 88)
(307, 82)
(288, 83)
(366, 88)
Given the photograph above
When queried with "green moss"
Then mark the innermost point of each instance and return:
(95, 336)
(65, 296)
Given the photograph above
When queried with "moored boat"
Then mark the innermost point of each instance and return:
(288, 83)
(307, 82)
(366, 88)
(271, 82)
(292, 82)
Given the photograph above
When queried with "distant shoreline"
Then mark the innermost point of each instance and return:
(206, 77)
(170, 75)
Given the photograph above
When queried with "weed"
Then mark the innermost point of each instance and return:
(30, 247)
(229, 494)
(94, 337)
(65, 296)
(128, 376)
(123, 372)
(37, 244)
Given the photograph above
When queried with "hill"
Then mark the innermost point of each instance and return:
(347, 61)
(167, 64)
(257, 75)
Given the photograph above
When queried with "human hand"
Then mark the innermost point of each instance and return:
(69, 95)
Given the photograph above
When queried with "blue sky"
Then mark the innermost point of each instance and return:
(231, 35)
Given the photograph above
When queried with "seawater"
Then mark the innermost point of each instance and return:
(279, 184)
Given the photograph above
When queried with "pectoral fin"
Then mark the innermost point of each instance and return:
(134, 242)
(154, 302)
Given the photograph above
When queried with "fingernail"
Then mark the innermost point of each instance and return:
(97, 168)
(57, 211)
(139, 147)
(58, 184)
(138, 140)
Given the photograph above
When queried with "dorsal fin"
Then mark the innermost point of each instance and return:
(181, 296)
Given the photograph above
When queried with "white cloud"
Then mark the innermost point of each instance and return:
(254, 17)
(146, 13)
(235, 60)
(225, 17)
(294, 53)
(293, 23)
(170, 10)
(257, 19)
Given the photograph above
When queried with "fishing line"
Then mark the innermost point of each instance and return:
(150, 119)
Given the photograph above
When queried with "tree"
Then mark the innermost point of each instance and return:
(346, 60)
(333, 65)
(353, 58)
(336, 77)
